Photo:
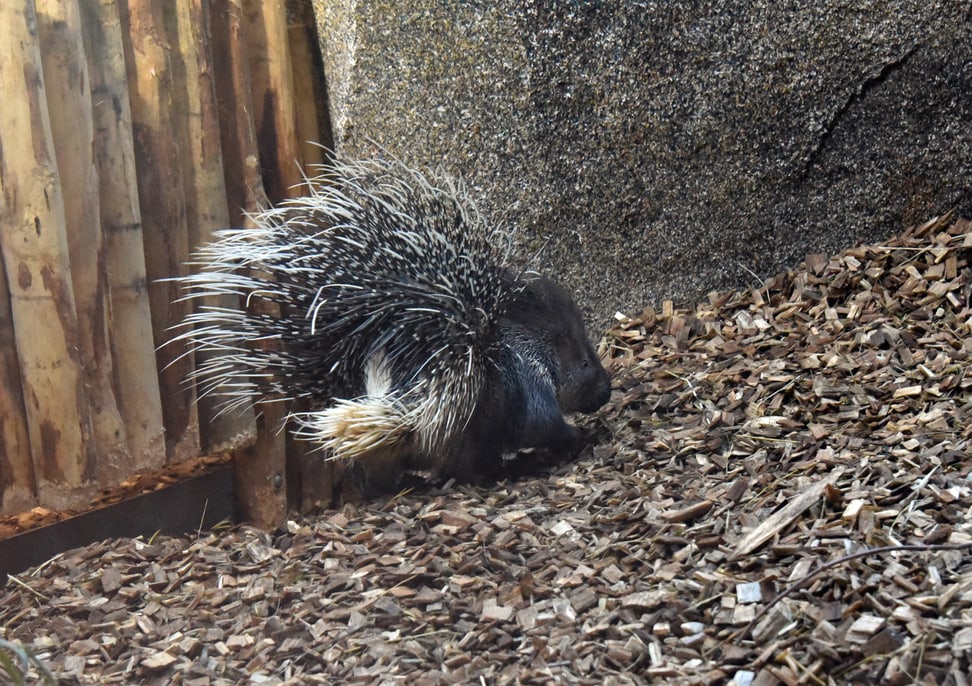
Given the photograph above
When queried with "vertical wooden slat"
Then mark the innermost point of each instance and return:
(18, 490)
(273, 96)
(241, 159)
(314, 136)
(313, 480)
(35, 254)
(206, 207)
(260, 469)
(72, 127)
(136, 381)
(160, 192)
(275, 116)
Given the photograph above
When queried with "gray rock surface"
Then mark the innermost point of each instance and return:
(650, 150)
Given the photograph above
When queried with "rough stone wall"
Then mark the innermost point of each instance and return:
(650, 150)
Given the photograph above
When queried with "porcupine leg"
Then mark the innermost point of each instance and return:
(543, 424)
(530, 417)
(481, 460)
(378, 473)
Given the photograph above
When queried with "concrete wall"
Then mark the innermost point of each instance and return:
(662, 149)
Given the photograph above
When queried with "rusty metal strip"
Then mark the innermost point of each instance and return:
(200, 502)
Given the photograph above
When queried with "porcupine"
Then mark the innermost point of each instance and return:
(403, 323)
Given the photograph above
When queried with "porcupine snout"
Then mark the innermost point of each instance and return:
(584, 383)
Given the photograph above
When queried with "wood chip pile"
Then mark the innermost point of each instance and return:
(756, 439)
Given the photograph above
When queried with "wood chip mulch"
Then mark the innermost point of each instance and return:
(779, 493)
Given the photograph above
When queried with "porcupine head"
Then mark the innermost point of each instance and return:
(400, 322)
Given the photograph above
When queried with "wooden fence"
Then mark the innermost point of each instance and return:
(129, 132)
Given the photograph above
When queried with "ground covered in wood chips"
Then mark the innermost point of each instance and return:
(779, 492)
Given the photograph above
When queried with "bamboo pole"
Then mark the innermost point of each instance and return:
(35, 254)
(72, 127)
(160, 192)
(206, 203)
(260, 469)
(136, 382)
(18, 489)
(273, 96)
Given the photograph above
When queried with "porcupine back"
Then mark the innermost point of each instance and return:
(389, 295)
